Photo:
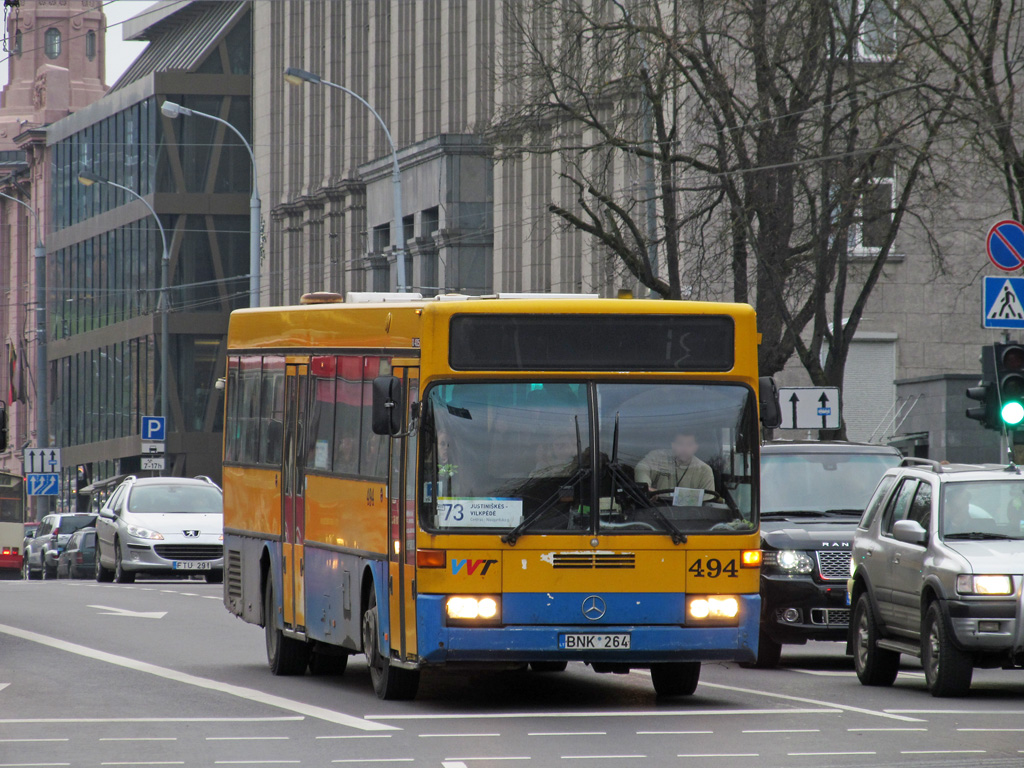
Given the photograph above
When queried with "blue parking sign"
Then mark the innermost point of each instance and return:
(154, 428)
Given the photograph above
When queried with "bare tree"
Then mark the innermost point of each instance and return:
(785, 145)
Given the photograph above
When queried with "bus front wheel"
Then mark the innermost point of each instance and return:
(286, 655)
(675, 679)
(389, 682)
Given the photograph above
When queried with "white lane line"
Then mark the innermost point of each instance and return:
(659, 713)
(138, 738)
(570, 733)
(674, 733)
(67, 720)
(212, 597)
(604, 757)
(992, 730)
(724, 754)
(822, 672)
(827, 754)
(256, 762)
(247, 738)
(375, 760)
(32, 765)
(470, 759)
(154, 762)
(844, 707)
(3, 685)
(942, 752)
(458, 735)
(883, 730)
(360, 736)
(787, 730)
(958, 711)
(249, 694)
(29, 741)
(447, 764)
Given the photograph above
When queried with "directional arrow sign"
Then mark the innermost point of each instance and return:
(809, 407)
(106, 610)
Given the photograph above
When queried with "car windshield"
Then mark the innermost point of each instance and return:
(518, 458)
(69, 525)
(983, 509)
(198, 499)
(820, 482)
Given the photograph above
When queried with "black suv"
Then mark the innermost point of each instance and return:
(812, 496)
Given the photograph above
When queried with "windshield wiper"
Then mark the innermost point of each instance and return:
(979, 535)
(581, 474)
(803, 513)
(633, 491)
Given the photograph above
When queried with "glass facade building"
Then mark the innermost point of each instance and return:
(105, 250)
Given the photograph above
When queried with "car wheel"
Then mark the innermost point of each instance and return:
(29, 575)
(874, 665)
(768, 653)
(45, 572)
(390, 683)
(121, 576)
(947, 669)
(548, 666)
(103, 575)
(215, 577)
(675, 679)
(286, 655)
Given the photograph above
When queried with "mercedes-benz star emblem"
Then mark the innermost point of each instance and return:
(594, 607)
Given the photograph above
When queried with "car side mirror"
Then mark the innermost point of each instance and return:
(768, 402)
(387, 406)
(107, 513)
(30, 534)
(909, 532)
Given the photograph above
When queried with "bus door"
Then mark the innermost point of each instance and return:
(402, 527)
(293, 489)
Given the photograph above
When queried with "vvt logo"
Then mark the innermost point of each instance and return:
(471, 566)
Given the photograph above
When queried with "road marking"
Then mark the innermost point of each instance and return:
(788, 730)
(674, 733)
(375, 760)
(821, 672)
(256, 762)
(32, 765)
(659, 713)
(164, 762)
(457, 735)
(360, 736)
(993, 730)
(138, 738)
(247, 738)
(801, 699)
(604, 757)
(106, 610)
(470, 759)
(571, 733)
(883, 730)
(249, 694)
(959, 711)
(29, 741)
(724, 754)
(64, 720)
(942, 752)
(827, 754)
(3, 685)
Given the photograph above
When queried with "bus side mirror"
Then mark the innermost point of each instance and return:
(768, 400)
(387, 410)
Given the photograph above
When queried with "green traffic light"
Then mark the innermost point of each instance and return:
(1012, 413)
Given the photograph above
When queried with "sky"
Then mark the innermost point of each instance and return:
(120, 54)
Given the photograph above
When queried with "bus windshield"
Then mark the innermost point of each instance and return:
(517, 458)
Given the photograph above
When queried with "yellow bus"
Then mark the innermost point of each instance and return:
(507, 481)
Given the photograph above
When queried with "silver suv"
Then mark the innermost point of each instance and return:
(937, 573)
(161, 525)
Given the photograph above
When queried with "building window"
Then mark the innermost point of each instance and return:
(90, 45)
(874, 216)
(52, 43)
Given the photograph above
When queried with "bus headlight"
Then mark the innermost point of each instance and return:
(713, 608)
(476, 609)
(968, 584)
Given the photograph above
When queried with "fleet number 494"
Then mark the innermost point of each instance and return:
(712, 568)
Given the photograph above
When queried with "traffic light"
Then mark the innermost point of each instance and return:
(1009, 360)
(985, 393)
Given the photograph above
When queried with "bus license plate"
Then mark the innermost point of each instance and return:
(592, 642)
(190, 565)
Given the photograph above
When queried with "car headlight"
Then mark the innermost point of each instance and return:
(474, 609)
(144, 533)
(969, 584)
(789, 560)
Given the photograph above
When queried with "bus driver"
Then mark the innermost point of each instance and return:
(676, 467)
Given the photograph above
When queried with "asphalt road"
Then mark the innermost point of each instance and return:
(159, 674)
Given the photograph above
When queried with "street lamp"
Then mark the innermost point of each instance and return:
(88, 178)
(42, 429)
(172, 110)
(297, 76)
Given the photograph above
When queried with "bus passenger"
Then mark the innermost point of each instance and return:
(676, 467)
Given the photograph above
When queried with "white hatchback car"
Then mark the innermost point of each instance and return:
(161, 526)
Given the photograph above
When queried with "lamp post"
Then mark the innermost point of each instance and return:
(172, 110)
(297, 76)
(42, 428)
(88, 178)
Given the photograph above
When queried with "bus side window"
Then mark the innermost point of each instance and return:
(347, 414)
(231, 430)
(249, 410)
(373, 448)
(271, 410)
(320, 427)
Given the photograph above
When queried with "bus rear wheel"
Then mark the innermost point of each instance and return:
(675, 679)
(390, 683)
(286, 655)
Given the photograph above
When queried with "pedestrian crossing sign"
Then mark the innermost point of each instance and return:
(1001, 305)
